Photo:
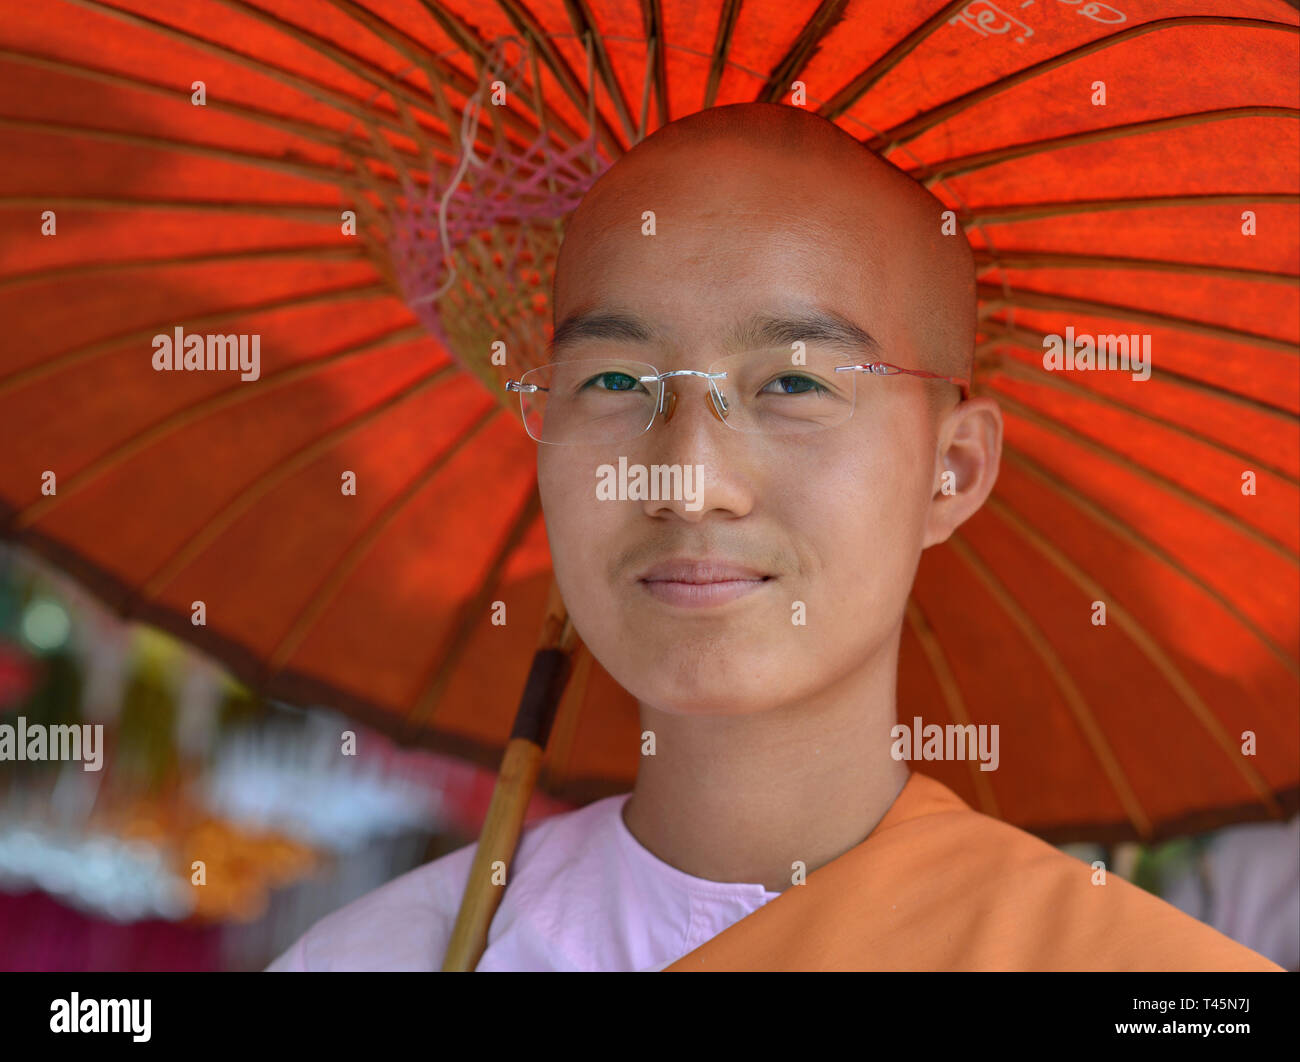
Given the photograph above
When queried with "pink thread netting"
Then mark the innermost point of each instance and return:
(533, 186)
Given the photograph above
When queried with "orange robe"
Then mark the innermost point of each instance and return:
(938, 886)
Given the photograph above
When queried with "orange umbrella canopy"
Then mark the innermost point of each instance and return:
(351, 516)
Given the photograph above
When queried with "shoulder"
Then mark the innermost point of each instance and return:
(1044, 909)
(406, 923)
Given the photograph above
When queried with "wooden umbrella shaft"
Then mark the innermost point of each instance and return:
(520, 765)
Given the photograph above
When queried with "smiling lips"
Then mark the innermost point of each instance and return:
(700, 583)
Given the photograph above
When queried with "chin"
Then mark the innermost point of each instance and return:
(693, 664)
(697, 683)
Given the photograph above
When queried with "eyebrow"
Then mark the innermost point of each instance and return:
(808, 326)
(610, 325)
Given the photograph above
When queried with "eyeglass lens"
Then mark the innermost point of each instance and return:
(761, 392)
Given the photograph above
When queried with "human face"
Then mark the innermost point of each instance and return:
(824, 528)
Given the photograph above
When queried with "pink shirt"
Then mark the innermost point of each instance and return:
(583, 895)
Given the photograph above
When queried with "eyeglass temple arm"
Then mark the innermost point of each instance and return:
(885, 368)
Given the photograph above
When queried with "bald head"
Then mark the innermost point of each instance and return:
(750, 168)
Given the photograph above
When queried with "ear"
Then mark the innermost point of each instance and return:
(967, 455)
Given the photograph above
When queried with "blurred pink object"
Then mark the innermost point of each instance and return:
(41, 935)
(17, 675)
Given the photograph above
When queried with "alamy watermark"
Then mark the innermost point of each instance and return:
(951, 742)
(1114, 353)
(83, 742)
(102, 1015)
(194, 353)
(655, 483)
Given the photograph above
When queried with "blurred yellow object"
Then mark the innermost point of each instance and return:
(157, 646)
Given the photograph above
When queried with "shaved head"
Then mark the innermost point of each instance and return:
(870, 206)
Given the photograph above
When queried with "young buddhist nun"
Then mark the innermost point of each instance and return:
(771, 829)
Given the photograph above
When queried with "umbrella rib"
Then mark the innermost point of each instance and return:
(1074, 698)
(343, 142)
(309, 212)
(1154, 479)
(652, 20)
(1011, 213)
(305, 170)
(366, 71)
(1008, 295)
(950, 689)
(377, 219)
(913, 127)
(526, 23)
(408, 118)
(248, 495)
(828, 15)
(592, 110)
(384, 149)
(307, 130)
(70, 485)
(1032, 259)
(462, 35)
(953, 167)
(338, 572)
(847, 96)
(438, 89)
(1133, 538)
(1017, 368)
(584, 25)
(643, 115)
(417, 53)
(438, 675)
(727, 16)
(317, 91)
(539, 106)
(1149, 647)
(77, 355)
(1016, 335)
(311, 252)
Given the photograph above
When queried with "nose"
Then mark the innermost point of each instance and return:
(714, 453)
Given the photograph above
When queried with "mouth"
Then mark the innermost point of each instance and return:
(701, 583)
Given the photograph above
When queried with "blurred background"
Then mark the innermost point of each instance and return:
(98, 868)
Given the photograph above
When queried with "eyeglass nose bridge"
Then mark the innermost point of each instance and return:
(720, 406)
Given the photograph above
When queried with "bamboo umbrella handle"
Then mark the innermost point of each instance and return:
(514, 787)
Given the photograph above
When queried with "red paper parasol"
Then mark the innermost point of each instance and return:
(138, 201)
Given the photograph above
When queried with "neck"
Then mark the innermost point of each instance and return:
(742, 797)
